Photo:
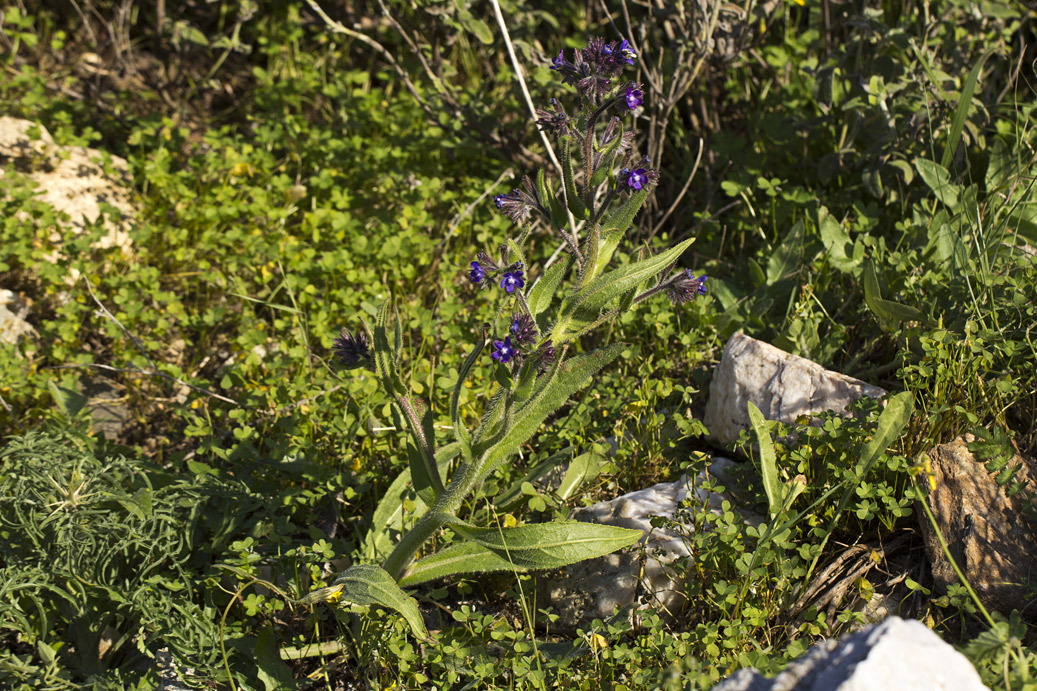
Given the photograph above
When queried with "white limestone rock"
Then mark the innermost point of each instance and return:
(783, 386)
(12, 318)
(895, 654)
(593, 589)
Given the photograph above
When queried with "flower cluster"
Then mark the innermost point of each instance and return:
(522, 335)
(520, 202)
(593, 68)
(352, 351)
(684, 287)
(484, 270)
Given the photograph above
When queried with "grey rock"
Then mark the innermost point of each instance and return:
(783, 386)
(595, 588)
(991, 536)
(895, 654)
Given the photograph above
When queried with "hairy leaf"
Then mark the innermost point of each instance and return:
(466, 557)
(367, 584)
(551, 545)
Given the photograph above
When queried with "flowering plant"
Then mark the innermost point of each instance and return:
(536, 373)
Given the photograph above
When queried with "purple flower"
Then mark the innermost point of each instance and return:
(477, 274)
(503, 350)
(554, 121)
(520, 202)
(512, 280)
(626, 53)
(559, 62)
(685, 287)
(640, 176)
(635, 96)
(636, 178)
(523, 328)
(352, 351)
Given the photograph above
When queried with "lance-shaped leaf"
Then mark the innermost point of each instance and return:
(768, 461)
(551, 545)
(389, 516)
(367, 584)
(385, 355)
(565, 379)
(588, 303)
(572, 195)
(886, 310)
(466, 557)
(540, 295)
(615, 224)
(423, 459)
(460, 431)
(583, 468)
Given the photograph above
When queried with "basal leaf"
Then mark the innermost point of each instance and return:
(551, 545)
(768, 461)
(367, 584)
(466, 557)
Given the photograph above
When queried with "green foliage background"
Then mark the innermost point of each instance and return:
(856, 199)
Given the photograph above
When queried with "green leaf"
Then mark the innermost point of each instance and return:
(460, 431)
(422, 452)
(939, 181)
(581, 469)
(614, 225)
(466, 557)
(999, 166)
(384, 355)
(886, 310)
(784, 260)
(274, 674)
(551, 545)
(478, 27)
(608, 158)
(962, 111)
(572, 195)
(390, 515)
(588, 303)
(891, 422)
(768, 461)
(69, 401)
(837, 242)
(563, 381)
(541, 294)
(367, 584)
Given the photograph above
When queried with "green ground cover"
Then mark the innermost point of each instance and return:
(859, 184)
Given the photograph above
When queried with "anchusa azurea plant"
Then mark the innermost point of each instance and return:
(532, 343)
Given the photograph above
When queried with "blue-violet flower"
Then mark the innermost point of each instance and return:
(634, 96)
(523, 328)
(512, 280)
(503, 350)
(685, 287)
(477, 274)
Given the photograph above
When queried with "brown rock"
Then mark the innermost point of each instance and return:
(991, 537)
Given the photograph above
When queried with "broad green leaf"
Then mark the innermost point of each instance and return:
(891, 422)
(999, 166)
(939, 181)
(275, 674)
(837, 241)
(69, 401)
(886, 310)
(614, 226)
(390, 515)
(551, 545)
(768, 461)
(477, 27)
(962, 111)
(581, 469)
(367, 584)
(784, 260)
(565, 379)
(588, 303)
(540, 295)
(466, 557)
(572, 195)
